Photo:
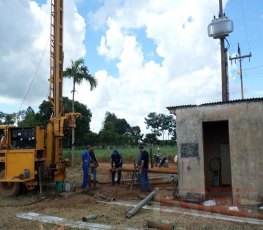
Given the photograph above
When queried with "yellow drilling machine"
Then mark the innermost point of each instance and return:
(33, 156)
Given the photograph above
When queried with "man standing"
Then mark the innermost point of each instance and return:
(116, 166)
(93, 166)
(143, 169)
(85, 167)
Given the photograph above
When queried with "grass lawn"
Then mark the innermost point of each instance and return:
(129, 154)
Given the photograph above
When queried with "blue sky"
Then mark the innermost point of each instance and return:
(248, 26)
(146, 55)
(247, 17)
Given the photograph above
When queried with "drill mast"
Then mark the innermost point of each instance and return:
(56, 78)
(56, 57)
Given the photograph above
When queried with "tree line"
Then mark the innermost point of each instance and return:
(114, 130)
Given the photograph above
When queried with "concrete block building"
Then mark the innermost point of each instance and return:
(220, 145)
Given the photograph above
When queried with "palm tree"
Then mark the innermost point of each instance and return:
(78, 72)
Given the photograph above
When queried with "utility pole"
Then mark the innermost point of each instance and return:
(225, 91)
(240, 57)
(220, 28)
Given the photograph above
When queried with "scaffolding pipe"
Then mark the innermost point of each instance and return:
(136, 208)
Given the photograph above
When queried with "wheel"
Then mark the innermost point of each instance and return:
(8, 189)
(215, 164)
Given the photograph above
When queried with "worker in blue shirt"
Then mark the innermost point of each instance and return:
(139, 159)
(85, 166)
(116, 166)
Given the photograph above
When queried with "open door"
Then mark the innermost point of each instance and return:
(217, 163)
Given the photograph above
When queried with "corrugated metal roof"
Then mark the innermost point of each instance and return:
(216, 103)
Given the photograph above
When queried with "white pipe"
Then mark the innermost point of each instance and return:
(137, 207)
(63, 221)
(185, 211)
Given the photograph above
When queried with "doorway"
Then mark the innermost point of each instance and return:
(217, 164)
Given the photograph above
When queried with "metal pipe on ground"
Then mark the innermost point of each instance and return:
(154, 170)
(213, 209)
(137, 207)
(162, 226)
(89, 217)
(129, 180)
(190, 212)
(160, 182)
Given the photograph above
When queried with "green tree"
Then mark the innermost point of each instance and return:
(172, 128)
(8, 119)
(107, 137)
(160, 123)
(150, 138)
(114, 124)
(78, 72)
(154, 123)
(136, 134)
(27, 118)
(82, 123)
(122, 126)
(109, 122)
(45, 112)
(115, 130)
(2, 117)
(91, 138)
(167, 124)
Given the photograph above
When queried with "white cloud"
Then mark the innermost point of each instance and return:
(25, 35)
(111, 43)
(189, 72)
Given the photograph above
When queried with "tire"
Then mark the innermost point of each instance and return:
(9, 189)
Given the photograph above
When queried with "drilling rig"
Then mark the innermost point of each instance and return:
(32, 156)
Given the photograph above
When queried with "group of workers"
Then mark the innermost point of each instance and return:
(90, 163)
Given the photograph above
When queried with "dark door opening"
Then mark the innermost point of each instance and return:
(217, 165)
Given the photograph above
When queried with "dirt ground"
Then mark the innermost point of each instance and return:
(83, 203)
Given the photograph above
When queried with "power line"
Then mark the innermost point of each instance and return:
(244, 21)
(254, 68)
(35, 74)
(176, 59)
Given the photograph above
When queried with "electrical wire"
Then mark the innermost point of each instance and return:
(228, 44)
(255, 67)
(35, 74)
(178, 59)
(244, 21)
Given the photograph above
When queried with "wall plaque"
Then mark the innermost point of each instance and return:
(189, 150)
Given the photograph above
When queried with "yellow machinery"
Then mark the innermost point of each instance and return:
(33, 156)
